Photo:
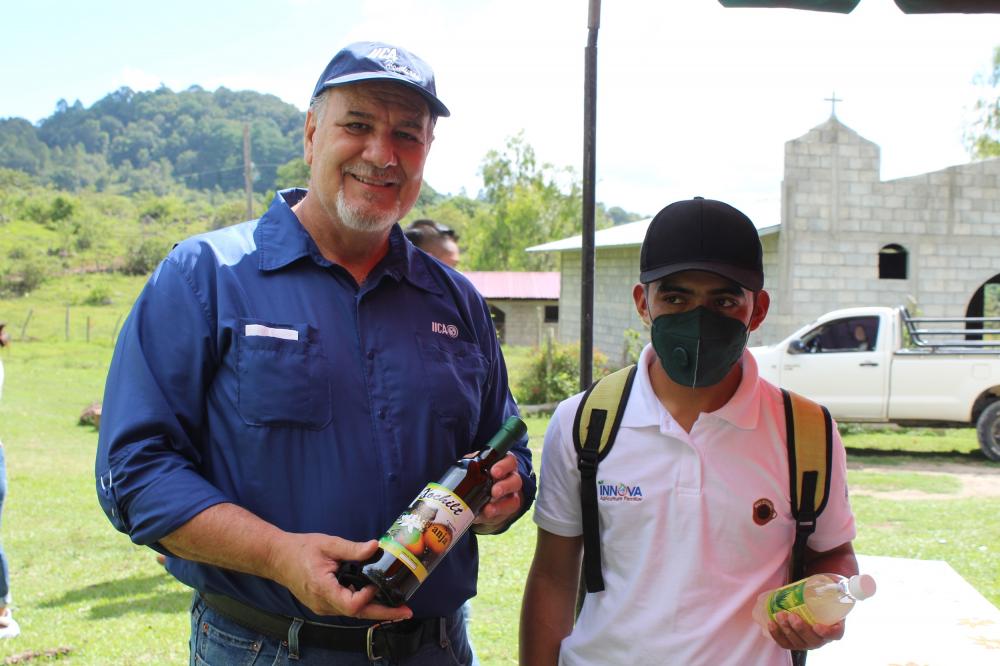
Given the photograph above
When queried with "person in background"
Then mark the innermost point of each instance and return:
(9, 627)
(701, 446)
(267, 412)
(435, 239)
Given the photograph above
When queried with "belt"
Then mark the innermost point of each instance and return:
(385, 640)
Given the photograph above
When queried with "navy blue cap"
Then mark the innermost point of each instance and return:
(368, 61)
(704, 235)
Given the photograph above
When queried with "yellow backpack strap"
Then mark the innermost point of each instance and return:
(809, 438)
(594, 430)
(810, 450)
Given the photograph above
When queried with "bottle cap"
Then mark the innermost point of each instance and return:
(512, 430)
(861, 586)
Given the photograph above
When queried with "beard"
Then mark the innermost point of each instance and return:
(362, 218)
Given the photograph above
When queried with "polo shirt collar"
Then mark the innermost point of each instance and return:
(281, 239)
(644, 408)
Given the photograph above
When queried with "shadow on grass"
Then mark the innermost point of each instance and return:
(135, 594)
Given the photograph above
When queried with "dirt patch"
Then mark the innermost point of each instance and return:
(977, 481)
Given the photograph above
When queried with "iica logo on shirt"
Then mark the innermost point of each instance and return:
(609, 491)
(444, 329)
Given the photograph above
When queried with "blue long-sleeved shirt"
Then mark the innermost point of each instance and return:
(252, 370)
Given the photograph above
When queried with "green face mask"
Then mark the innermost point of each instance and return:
(698, 347)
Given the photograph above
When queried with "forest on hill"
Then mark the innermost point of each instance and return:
(150, 141)
(112, 187)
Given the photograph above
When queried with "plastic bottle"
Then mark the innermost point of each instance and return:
(820, 598)
(438, 517)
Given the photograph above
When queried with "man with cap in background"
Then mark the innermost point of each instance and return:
(700, 443)
(283, 388)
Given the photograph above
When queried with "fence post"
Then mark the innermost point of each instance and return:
(88, 329)
(67, 323)
(115, 331)
(24, 326)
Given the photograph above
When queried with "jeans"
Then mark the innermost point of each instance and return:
(218, 641)
(4, 572)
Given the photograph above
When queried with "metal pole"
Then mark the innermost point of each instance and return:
(247, 170)
(589, 175)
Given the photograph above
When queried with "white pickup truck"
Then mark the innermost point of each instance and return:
(880, 365)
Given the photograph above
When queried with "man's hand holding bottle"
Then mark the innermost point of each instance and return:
(505, 497)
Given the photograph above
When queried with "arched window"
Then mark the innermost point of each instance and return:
(892, 262)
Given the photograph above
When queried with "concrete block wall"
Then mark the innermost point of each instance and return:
(837, 215)
(616, 270)
(524, 323)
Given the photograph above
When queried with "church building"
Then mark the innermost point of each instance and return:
(846, 238)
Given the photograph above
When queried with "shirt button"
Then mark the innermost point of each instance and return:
(392, 476)
(381, 414)
(371, 355)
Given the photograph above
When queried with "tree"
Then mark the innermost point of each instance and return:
(983, 138)
(526, 204)
(20, 147)
(293, 173)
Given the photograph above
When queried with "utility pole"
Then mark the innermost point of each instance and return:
(247, 169)
(589, 179)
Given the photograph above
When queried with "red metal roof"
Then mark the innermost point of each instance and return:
(513, 284)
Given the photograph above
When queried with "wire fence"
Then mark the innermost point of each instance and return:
(39, 323)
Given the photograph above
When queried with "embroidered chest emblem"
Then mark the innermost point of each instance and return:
(763, 511)
(444, 329)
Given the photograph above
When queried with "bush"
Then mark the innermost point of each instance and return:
(144, 257)
(99, 295)
(23, 276)
(553, 374)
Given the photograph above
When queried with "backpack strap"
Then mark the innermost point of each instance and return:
(809, 438)
(594, 430)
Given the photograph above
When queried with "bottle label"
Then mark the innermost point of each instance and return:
(790, 598)
(427, 529)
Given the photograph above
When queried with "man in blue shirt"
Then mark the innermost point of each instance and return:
(283, 388)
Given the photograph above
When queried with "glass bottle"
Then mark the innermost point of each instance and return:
(438, 517)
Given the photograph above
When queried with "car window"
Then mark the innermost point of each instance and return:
(852, 334)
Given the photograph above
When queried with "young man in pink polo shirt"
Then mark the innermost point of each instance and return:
(701, 447)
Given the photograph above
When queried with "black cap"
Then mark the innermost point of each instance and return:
(367, 61)
(703, 235)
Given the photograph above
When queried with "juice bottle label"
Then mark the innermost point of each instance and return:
(427, 529)
(790, 598)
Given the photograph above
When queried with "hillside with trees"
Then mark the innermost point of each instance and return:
(153, 141)
(112, 187)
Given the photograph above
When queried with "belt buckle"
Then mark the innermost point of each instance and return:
(370, 640)
(369, 647)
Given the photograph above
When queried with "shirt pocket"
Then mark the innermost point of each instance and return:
(282, 376)
(455, 377)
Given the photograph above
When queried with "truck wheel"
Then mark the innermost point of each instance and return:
(988, 429)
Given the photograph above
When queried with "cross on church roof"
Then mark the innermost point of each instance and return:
(833, 99)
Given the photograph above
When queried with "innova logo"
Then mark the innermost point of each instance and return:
(618, 492)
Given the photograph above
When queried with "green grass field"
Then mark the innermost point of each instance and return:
(83, 589)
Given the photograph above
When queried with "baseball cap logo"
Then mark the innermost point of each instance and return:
(390, 60)
(384, 53)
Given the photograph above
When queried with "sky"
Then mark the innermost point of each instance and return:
(693, 99)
